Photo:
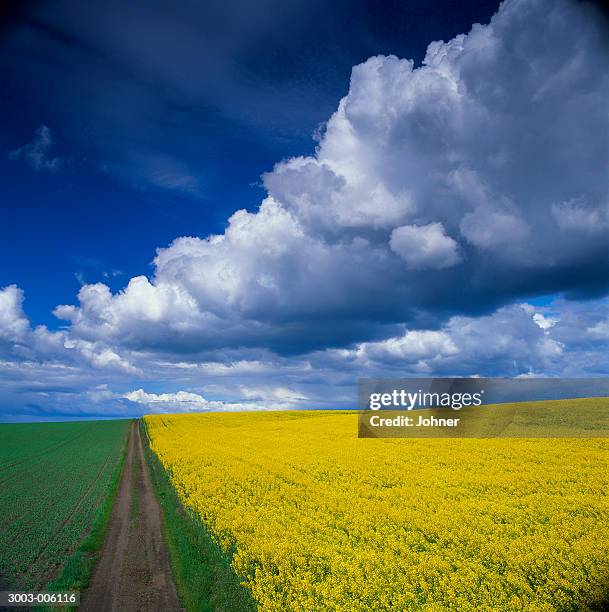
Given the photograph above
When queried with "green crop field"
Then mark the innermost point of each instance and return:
(55, 479)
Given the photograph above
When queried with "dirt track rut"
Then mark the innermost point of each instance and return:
(133, 572)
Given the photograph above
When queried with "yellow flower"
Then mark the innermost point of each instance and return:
(321, 520)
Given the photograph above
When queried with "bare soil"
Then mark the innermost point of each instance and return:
(133, 573)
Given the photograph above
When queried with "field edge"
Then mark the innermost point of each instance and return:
(201, 570)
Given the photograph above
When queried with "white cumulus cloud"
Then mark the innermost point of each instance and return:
(464, 181)
(13, 323)
(424, 247)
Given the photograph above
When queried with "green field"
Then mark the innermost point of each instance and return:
(55, 481)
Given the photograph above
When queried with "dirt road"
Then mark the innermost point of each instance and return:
(133, 572)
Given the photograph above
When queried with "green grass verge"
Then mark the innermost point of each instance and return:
(78, 570)
(201, 570)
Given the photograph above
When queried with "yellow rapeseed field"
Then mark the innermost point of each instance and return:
(321, 520)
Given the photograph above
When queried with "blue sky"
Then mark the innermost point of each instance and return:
(244, 205)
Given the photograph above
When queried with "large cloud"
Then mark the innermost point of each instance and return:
(20, 342)
(563, 339)
(45, 373)
(450, 188)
